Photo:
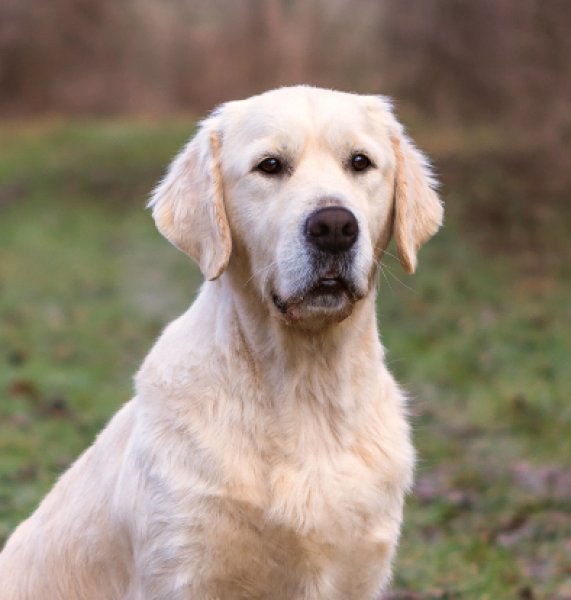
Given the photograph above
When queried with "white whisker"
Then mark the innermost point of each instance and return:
(397, 279)
(260, 270)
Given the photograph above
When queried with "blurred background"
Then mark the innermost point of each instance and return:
(96, 96)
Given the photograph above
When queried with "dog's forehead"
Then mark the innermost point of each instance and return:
(289, 113)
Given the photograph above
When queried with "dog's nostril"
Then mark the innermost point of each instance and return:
(350, 228)
(332, 229)
(318, 229)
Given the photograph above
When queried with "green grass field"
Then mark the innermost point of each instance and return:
(481, 337)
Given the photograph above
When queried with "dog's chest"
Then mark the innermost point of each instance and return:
(310, 522)
(323, 493)
(316, 481)
(317, 469)
(306, 500)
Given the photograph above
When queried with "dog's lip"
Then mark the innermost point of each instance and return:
(330, 284)
(324, 285)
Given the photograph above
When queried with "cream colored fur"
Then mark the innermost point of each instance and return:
(264, 455)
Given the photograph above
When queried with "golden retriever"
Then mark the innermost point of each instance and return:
(266, 452)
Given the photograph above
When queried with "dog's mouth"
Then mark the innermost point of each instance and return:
(329, 297)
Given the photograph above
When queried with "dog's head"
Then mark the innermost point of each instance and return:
(300, 190)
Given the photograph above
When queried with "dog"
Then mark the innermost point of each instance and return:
(266, 453)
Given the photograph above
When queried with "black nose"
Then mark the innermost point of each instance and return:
(332, 229)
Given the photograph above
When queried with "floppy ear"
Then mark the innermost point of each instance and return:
(188, 204)
(418, 211)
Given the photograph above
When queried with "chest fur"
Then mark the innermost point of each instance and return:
(312, 459)
(297, 486)
(315, 480)
(324, 523)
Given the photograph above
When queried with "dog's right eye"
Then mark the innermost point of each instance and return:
(270, 166)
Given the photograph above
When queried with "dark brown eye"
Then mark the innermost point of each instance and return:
(270, 166)
(360, 162)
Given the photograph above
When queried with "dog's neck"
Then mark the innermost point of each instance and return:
(279, 352)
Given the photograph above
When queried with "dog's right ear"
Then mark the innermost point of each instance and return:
(188, 204)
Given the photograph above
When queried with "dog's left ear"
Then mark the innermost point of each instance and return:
(418, 210)
(188, 204)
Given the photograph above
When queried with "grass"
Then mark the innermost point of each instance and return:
(480, 336)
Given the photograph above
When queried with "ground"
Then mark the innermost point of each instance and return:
(481, 338)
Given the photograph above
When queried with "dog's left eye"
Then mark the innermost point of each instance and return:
(270, 166)
(360, 162)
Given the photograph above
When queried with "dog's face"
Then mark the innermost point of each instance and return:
(308, 190)
(301, 187)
